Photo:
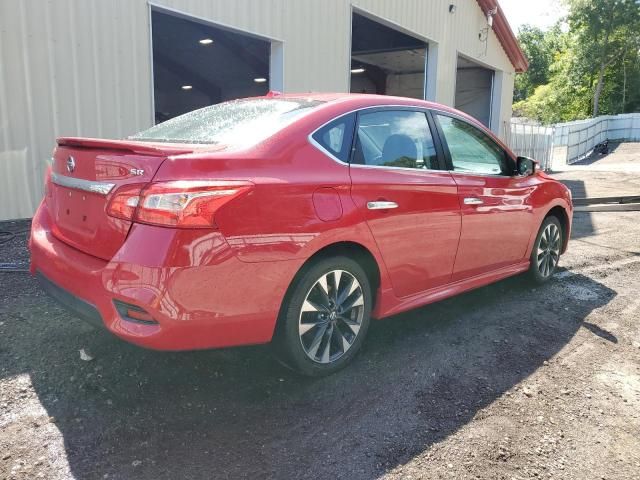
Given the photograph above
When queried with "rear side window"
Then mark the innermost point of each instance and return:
(395, 138)
(236, 123)
(472, 151)
(336, 137)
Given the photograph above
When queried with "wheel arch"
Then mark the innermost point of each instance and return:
(354, 250)
(563, 217)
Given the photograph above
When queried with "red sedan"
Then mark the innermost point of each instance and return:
(289, 218)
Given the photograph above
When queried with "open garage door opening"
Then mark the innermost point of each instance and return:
(386, 61)
(196, 64)
(474, 90)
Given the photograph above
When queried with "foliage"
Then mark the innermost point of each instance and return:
(540, 47)
(592, 68)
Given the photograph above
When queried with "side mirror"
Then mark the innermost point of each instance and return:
(525, 166)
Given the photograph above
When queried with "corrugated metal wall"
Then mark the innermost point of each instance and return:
(83, 67)
(581, 136)
(67, 67)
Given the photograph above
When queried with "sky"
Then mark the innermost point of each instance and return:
(540, 13)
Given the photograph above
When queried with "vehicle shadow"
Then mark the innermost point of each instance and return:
(237, 413)
(577, 187)
(585, 227)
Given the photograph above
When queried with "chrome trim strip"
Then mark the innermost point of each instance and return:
(80, 184)
(387, 167)
(479, 174)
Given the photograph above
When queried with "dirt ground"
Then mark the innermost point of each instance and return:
(508, 381)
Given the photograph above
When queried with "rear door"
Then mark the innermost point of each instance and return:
(496, 210)
(410, 203)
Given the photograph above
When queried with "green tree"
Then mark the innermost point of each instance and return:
(565, 97)
(540, 47)
(591, 68)
(608, 29)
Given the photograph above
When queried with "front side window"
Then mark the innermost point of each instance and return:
(234, 123)
(472, 151)
(336, 137)
(395, 138)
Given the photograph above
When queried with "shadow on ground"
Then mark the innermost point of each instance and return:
(577, 187)
(237, 413)
(585, 227)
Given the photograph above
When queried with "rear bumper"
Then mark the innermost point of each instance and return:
(198, 292)
(75, 305)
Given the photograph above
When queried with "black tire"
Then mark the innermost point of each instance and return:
(545, 253)
(341, 328)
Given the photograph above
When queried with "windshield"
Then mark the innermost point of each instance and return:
(234, 123)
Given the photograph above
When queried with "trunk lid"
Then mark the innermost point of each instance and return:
(85, 174)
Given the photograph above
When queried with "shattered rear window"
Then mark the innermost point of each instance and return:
(234, 123)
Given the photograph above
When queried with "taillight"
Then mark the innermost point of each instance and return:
(124, 201)
(185, 204)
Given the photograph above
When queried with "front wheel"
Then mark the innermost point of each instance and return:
(546, 250)
(325, 317)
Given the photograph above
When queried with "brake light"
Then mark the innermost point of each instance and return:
(185, 204)
(124, 201)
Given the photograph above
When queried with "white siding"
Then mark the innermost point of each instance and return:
(83, 67)
(67, 67)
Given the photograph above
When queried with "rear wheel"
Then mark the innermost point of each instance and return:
(325, 317)
(546, 250)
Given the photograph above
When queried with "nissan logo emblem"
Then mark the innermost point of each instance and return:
(71, 164)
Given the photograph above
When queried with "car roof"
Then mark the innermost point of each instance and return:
(356, 98)
(363, 100)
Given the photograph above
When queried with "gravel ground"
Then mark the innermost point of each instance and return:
(507, 381)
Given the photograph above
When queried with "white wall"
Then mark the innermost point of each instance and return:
(67, 67)
(83, 67)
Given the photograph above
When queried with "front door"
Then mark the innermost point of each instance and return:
(495, 204)
(410, 203)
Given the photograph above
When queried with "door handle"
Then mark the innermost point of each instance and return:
(472, 201)
(381, 205)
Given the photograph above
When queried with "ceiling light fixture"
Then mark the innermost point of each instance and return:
(206, 41)
(357, 70)
(186, 87)
(260, 80)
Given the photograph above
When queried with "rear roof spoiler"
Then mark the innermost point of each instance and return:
(130, 145)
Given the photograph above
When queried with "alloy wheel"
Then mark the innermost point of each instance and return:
(548, 252)
(331, 316)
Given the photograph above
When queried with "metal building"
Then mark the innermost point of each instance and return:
(109, 68)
